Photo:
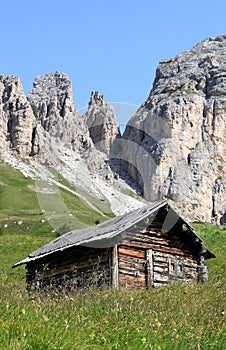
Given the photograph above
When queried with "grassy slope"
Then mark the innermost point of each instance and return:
(173, 317)
(19, 202)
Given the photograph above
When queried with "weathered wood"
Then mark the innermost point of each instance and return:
(132, 252)
(131, 259)
(131, 272)
(115, 271)
(156, 247)
(132, 266)
(149, 257)
(159, 277)
(146, 258)
(161, 269)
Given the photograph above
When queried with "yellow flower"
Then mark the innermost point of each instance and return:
(159, 324)
(23, 311)
(144, 340)
(92, 336)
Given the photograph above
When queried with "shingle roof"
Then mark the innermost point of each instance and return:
(106, 234)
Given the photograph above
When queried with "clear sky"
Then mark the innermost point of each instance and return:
(110, 46)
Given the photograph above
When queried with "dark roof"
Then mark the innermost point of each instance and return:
(113, 231)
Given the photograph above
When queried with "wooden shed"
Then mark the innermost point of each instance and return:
(144, 249)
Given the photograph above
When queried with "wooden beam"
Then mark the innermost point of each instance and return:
(114, 267)
(132, 252)
(149, 258)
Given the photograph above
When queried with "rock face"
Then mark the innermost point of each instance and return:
(101, 121)
(175, 145)
(52, 103)
(16, 117)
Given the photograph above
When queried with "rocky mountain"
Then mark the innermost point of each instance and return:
(101, 121)
(43, 135)
(175, 145)
(16, 118)
(52, 103)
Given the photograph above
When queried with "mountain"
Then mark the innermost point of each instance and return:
(44, 137)
(102, 123)
(16, 117)
(175, 145)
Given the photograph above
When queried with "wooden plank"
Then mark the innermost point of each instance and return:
(160, 263)
(146, 239)
(130, 272)
(161, 269)
(132, 266)
(131, 259)
(158, 277)
(132, 252)
(156, 247)
(115, 270)
(149, 257)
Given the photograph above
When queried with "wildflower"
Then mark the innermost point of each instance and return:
(7, 306)
(158, 324)
(144, 341)
(177, 336)
(23, 311)
(92, 336)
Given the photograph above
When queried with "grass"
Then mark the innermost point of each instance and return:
(178, 316)
(40, 212)
(132, 194)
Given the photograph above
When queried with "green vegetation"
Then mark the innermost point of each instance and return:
(102, 205)
(178, 316)
(24, 210)
(132, 194)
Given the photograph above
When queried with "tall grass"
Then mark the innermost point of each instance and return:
(179, 316)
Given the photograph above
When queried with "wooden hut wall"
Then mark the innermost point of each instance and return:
(74, 268)
(153, 258)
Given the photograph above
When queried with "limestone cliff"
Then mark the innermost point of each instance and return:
(52, 103)
(101, 121)
(175, 145)
(16, 117)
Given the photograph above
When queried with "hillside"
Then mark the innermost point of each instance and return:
(39, 208)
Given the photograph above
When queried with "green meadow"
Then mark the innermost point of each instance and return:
(179, 316)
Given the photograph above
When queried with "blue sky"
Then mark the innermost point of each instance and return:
(110, 46)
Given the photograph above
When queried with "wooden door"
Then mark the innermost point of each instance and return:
(149, 269)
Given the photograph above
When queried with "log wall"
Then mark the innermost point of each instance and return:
(81, 267)
(153, 259)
